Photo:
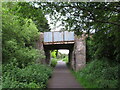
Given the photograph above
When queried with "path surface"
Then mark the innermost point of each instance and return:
(62, 77)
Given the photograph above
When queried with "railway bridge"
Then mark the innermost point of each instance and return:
(64, 40)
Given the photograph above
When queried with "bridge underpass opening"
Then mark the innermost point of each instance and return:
(60, 55)
(49, 48)
(64, 55)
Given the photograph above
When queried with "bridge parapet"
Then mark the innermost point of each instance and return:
(63, 37)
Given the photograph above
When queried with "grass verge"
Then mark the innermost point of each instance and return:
(98, 74)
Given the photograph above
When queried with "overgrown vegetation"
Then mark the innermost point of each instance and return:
(21, 26)
(20, 34)
(99, 22)
(32, 76)
(65, 59)
(56, 56)
(54, 53)
(98, 74)
(54, 62)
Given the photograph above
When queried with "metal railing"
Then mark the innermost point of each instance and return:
(64, 36)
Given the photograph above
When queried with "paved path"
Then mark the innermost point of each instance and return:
(62, 77)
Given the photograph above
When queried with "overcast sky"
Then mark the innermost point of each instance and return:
(55, 28)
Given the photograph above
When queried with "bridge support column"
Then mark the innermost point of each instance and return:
(79, 53)
(70, 56)
(48, 57)
(73, 61)
(39, 46)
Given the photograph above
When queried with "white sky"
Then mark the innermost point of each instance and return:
(63, 51)
(55, 28)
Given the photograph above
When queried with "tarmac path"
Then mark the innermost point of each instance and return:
(62, 77)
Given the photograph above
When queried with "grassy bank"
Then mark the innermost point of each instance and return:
(98, 74)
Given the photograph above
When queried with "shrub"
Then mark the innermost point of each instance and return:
(19, 37)
(32, 76)
(53, 62)
(65, 59)
(19, 54)
(54, 53)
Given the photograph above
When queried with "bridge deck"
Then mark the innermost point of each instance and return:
(58, 38)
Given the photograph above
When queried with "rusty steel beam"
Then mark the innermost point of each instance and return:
(63, 42)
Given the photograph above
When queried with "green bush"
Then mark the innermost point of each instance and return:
(18, 50)
(18, 37)
(32, 76)
(53, 62)
(53, 53)
(98, 74)
(65, 59)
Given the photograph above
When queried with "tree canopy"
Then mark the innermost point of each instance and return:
(20, 32)
(101, 19)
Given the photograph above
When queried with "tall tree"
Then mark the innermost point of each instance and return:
(31, 11)
(19, 35)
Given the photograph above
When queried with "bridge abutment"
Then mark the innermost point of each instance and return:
(79, 53)
(70, 56)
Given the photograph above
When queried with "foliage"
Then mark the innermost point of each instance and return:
(32, 76)
(41, 57)
(19, 37)
(100, 45)
(18, 48)
(82, 16)
(98, 74)
(29, 10)
(59, 55)
(54, 53)
(20, 28)
(90, 54)
(65, 59)
(101, 19)
(53, 62)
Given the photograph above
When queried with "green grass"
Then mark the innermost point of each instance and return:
(98, 74)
